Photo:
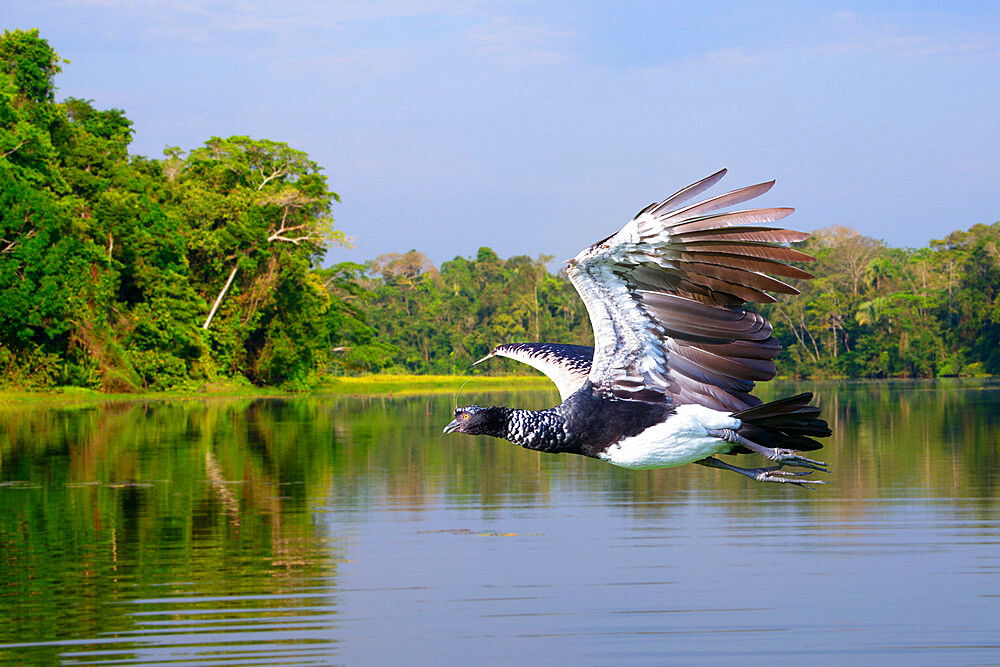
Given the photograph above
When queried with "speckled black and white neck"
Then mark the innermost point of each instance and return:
(583, 424)
(544, 430)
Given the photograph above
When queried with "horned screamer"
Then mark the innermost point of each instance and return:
(676, 351)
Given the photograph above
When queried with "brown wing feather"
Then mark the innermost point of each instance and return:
(738, 367)
(684, 194)
(757, 234)
(715, 203)
(667, 296)
(749, 264)
(735, 274)
(755, 217)
(778, 253)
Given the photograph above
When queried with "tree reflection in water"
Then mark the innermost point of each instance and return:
(156, 530)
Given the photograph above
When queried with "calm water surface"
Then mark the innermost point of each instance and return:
(345, 530)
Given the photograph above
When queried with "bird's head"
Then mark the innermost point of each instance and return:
(476, 420)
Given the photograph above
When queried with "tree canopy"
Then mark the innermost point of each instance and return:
(870, 311)
(121, 272)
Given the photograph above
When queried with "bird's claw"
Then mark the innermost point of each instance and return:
(779, 476)
(791, 457)
(779, 455)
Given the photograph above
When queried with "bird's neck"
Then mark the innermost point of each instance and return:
(541, 430)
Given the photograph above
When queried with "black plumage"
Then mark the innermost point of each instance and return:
(585, 423)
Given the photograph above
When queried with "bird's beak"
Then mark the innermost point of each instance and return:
(451, 427)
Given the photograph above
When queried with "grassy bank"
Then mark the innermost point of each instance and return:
(82, 396)
(422, 384)
(372, 384)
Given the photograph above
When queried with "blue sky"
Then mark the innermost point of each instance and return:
(536, 127)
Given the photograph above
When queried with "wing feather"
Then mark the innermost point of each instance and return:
(776, 253)
(738, 275)
(687, 193)
(754, 216)
(756, 234)
(715, 203)
(758, 264)
(667, 298)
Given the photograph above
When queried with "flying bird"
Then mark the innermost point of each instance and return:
(676, 352)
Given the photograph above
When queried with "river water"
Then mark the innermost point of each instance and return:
(349, 530)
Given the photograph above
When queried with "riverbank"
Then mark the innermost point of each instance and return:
(350, 386)
(424, 384)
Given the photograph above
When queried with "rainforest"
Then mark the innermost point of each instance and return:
(125, 273)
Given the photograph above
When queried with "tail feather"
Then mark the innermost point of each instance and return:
(787, 423)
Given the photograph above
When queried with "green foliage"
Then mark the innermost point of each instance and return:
(871, 311)
(111, 266)
(875, 311)
(123, 273)
(30, 62)
(443, 320)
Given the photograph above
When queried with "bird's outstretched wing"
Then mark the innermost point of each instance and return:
(666, 297)
(566, 365)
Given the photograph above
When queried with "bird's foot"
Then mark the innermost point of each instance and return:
(792, 458)
(773, 474)
(779, 476)
(781, 456)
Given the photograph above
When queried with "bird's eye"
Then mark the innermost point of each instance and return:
(464, 415)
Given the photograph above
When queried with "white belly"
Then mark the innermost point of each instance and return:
(683, 438)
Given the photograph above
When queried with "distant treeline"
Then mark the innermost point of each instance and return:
(125, 273)
(876, 311)
(870, 311)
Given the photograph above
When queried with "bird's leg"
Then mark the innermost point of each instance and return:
(772, 474)
(780, 456)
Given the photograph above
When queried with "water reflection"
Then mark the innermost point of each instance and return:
(198, 511)
(343, 529)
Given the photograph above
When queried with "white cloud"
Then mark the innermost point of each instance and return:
(262, 14)
(855, 34)
(735, 57)
(914, 46)
(352, 65)
(517, 42)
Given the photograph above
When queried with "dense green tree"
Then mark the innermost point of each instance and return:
(354, 342)
(31, 63)
(46, 284)
(443, 320)
(870, 311)
(256, 218)
(121, 272)
(875, 311)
